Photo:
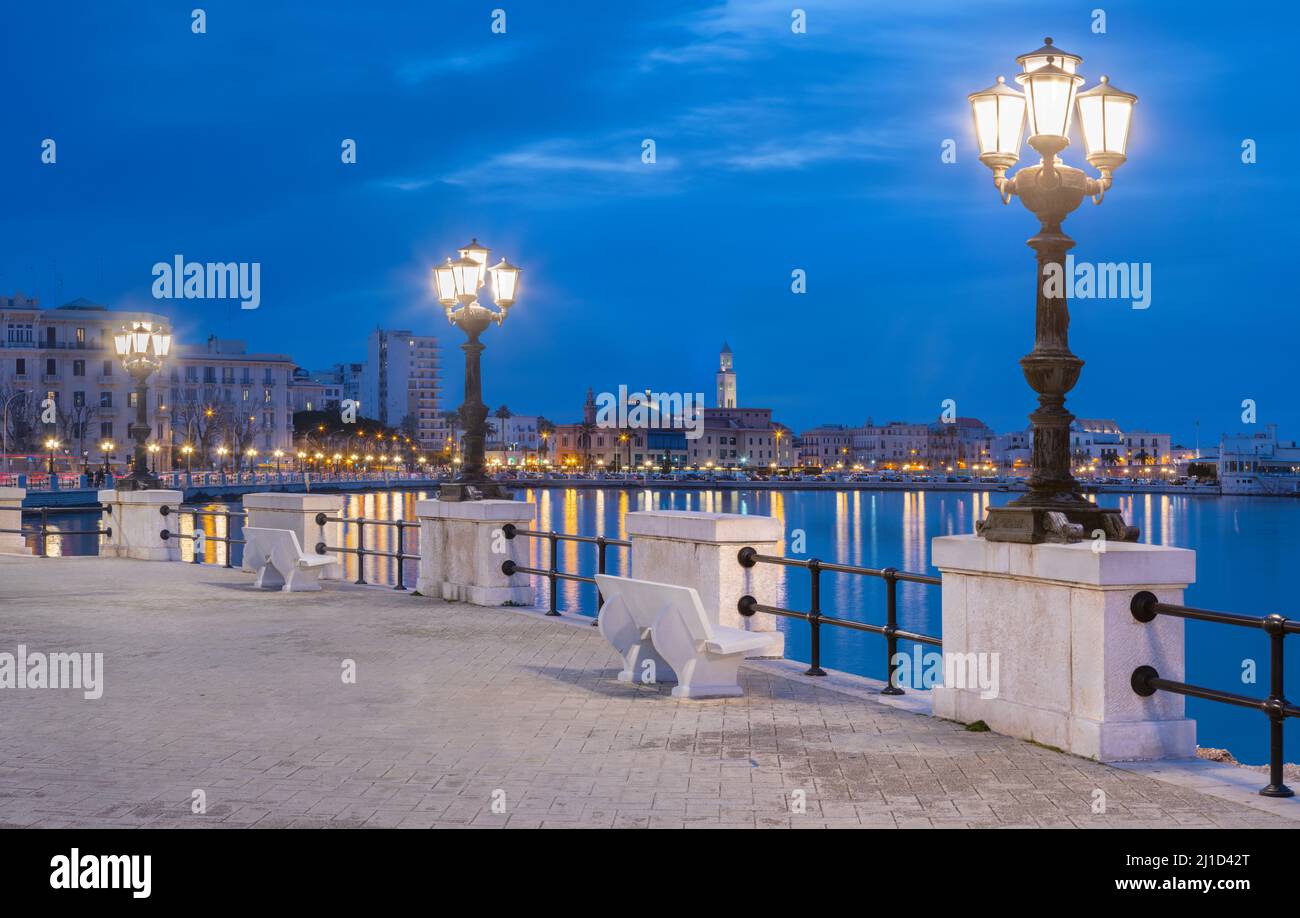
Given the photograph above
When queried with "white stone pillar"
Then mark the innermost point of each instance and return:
(701, 550)
(297, 513)
(462, 549)
(137, 524)
(11, 517)
(1057, 617)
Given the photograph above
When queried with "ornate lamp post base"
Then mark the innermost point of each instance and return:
(472, 490)
(1069, 521)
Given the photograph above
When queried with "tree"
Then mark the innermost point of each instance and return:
(585, 430)
(21, 417)
(502, 414)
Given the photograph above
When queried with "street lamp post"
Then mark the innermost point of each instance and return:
(106, 448)
(457, 284)
(141, 347)
(189, 458)
(1054, 509)
(51, 444)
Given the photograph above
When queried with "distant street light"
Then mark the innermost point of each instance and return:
(188, 452)
(457, 284)
(141, 347)
(153, 455)
(51, 444)
(106, 449)
(1054, 509)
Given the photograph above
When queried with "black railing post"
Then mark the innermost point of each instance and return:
(401, 582)
(230, 546)
(553, 538)
(814, 619)
(45, 532)
(600, 569)
(361, 549)
(891, 630)
(194, 537)
(1275, 625)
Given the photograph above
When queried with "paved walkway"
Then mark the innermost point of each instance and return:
(210, 686)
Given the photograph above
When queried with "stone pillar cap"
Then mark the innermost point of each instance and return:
(693, 526)
(1120, 564)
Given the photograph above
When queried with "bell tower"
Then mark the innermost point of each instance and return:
(726, 379)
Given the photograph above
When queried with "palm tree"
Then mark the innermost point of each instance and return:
(502, 414)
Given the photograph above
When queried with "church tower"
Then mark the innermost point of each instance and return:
(589, 408)
(726, 379)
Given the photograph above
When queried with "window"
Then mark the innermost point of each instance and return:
(106, 400)
(79, 400)
(81, 337)
(78, 368)
(49, 336)
(132, 399)
(106, 430)
(266, 396)
(108, 368)
(20, 366)
(19, 334)
(227, 374)
(191, 374)
(210, 374)
(51, 366)
(245, 394)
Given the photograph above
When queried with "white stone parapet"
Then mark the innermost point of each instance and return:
(297, 513)
(1057, 617)
(462, 548)
(136, 521)
(701, 550)
(11, 517)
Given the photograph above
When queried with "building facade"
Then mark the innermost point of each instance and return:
(401, 387)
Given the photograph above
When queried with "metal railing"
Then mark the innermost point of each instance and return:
(1146, 680)
(748, 606)
(198, 537)
(43, 532)
(361, 551)
(552, 571)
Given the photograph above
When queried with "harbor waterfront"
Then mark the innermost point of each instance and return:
(1240, 544)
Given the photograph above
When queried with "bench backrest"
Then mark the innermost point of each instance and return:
(645, 599)
(261, 541)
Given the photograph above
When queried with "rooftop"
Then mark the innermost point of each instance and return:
(215, 686)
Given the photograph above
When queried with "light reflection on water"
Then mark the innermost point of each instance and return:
(1245, 554)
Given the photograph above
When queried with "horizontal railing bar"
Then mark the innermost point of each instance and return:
(322, 548)
(564, 537)
(1291, 626)
(1211, 694)
(846, 623)
(883, 573)
(559, 575)
(43, 511)
(322, 519)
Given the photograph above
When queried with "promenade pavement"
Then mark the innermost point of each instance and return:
(466, 716)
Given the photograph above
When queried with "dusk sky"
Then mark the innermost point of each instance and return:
(775, 151)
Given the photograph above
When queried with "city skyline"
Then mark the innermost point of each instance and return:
(805, 148)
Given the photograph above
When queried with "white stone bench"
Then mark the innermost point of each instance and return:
(667, 625)
(277, 557)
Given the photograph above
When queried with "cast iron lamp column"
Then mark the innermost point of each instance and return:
(1054, 509)
(141, 348)
(457, 284)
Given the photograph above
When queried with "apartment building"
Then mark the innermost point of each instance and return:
(401, 384)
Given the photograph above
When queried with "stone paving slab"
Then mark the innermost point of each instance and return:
(212, 686)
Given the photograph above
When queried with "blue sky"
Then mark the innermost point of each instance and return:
(775, 151)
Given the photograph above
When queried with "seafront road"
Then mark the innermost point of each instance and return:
(467, 716)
